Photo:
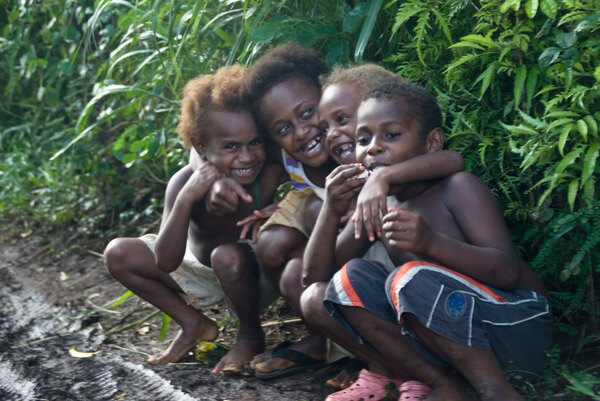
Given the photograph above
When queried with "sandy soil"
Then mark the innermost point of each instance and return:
(56, 296)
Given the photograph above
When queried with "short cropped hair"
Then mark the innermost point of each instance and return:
(423, 105)
(225, 90)
(363, 77)
(284, 62)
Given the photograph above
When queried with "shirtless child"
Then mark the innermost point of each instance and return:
(197, 257)
(460, 299)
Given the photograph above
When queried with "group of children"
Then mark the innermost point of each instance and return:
(389, 252)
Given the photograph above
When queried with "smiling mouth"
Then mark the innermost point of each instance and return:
(344, 150)
(244, 172)
(313, 147)
(375, 166)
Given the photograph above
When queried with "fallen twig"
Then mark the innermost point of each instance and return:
(115, 312)
(95, 253)
(40, 340)
(277, 322)
(136, 323)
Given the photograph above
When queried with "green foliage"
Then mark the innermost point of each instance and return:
(90, 95)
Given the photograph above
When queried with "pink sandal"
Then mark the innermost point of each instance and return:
(413, 390)
(368, 386)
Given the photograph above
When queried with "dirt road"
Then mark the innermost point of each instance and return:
(56, 341)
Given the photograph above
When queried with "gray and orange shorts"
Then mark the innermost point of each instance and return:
(515, 325)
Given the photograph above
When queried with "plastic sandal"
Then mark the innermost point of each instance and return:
(413, 390)
(368, 386)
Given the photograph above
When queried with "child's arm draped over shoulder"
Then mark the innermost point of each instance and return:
(387, 181)
(320, 261)
(185, 188)
(488, 256)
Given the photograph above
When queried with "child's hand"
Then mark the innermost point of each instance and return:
(371, 205)
(342, 187)
(255, 221)
(200, 182)
(407, 230)
(223, 197)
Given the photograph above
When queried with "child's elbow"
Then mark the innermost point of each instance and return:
(509, 279)
(165, 267)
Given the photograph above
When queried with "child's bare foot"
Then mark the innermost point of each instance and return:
(346, 376)
(242, 352)
(204, 328)
(308, 353)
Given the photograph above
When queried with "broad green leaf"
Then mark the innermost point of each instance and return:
(568, 160)
(367, 29)
(520, 129)
(583, 129)
(519, 83)
(565, 40)
(536, 123)
(338, 51)
(531, 7)
(463, 59)
(353, 18)
(548, 57)
(572, 193)
(564, 136)
(467, 44)
(562, 113)
(589, 162)
(486, 78)
(592, 125)
(531, 85)
(514, 4)
(482, 40)
(558, 123)
(549, 8)
(443, 24)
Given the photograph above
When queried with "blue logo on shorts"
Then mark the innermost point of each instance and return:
(456, 304)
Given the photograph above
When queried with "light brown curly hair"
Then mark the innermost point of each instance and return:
(225, 90)
(363, 77)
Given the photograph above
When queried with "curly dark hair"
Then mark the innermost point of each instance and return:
(288, 61)
(362, 76)
(424, 106)
(225, 90)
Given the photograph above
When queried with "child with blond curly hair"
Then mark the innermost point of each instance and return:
(197, 257)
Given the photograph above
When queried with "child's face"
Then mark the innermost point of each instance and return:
(234, 146)
(337, 115)
(289, 111)
(386, 133)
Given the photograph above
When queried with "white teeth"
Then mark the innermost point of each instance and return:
(243, 172)
(314, 146)
(345, 150)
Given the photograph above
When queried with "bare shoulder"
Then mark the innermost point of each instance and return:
(176, 182)
(466, 187)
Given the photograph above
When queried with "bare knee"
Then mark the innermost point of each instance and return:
(232, 263)
(277, 244)
(126, 256)
(116, 256)
(291, 280)
(311, 303)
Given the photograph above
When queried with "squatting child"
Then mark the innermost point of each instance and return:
(460, 296)
(342, 90)
(197, 257)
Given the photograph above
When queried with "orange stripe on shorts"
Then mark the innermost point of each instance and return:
(348, 288)
(410, 265)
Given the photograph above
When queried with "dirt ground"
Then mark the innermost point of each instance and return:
(60, 340)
